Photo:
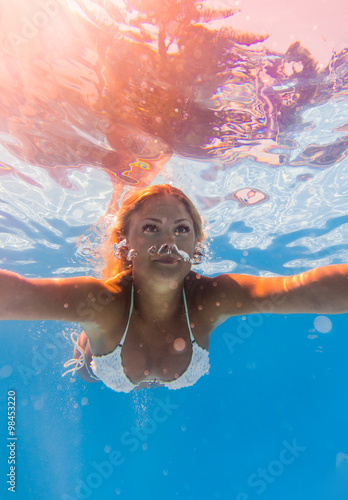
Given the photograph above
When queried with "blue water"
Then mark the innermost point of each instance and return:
(270, 420)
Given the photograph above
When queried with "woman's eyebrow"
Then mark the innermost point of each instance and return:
(160, 221)
(181, 220)
(153, 219)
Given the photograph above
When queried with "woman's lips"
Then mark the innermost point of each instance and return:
(166, 261)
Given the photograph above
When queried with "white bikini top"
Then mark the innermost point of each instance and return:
(109, 369)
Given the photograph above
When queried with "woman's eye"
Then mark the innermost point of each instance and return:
(150, 228)
(182, 229)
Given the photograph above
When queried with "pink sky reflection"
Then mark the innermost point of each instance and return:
(320, 25)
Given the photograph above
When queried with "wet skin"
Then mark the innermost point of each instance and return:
(159, 347)
(158, 342)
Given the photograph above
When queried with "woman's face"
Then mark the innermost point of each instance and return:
(161, 220)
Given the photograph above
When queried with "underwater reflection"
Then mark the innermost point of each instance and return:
(123, 89)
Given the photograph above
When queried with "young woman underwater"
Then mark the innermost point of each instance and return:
(150, 323)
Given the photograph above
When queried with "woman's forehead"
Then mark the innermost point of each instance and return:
(163, 206)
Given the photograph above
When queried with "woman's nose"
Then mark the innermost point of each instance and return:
(168, 238)
(166, 247)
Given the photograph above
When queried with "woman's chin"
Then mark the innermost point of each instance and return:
(162, 271)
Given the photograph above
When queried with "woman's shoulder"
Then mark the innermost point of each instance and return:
(203, 299)
(108, 306)
(199, 287)
(223, 288)
(195, 282)
(230, 281)
(119, 283)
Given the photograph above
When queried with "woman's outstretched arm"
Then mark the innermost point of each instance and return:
(81, 299)
(321, 290)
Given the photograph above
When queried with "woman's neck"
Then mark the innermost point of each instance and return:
(158, 301)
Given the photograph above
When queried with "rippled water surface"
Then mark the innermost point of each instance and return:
(244, 106)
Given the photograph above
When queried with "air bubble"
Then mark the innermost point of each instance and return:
(341, 458)
(179, 344)
(132, 254)
(322, 324)
(86, 251)
(5, 371)
(39, 404)
(171, 251)
(173, 284)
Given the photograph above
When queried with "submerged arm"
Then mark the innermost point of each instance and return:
(322, 290)
(69, 299)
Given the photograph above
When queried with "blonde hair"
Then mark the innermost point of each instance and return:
(132, 204)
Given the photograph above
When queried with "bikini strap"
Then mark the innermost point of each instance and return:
(187, 316)
(131, 310)
(80, 362)
(129, 316)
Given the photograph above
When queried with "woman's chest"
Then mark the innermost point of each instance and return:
(162, 352)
